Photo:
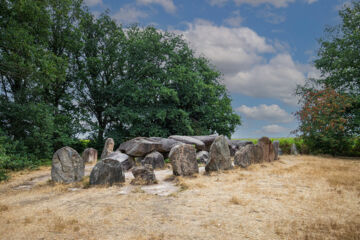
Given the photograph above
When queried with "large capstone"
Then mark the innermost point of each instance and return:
(126, 161)
(189, 140)
(155, 159)
(207, 140)
(107, 172)
(248, 155)
(219, 156)
(183, 160)
(268, 149)
(276, 145)
(108, 147)
(90, 155)
(67, 166)
(202, 157)
(143, 175)
(140, 146)
(166, 144)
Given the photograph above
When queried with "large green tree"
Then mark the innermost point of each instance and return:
(330, 105)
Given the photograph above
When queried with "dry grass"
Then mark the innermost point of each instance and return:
(301, 197)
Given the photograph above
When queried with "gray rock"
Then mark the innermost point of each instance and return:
(108, 171)
(189, 140)
(207, 140)
(155, 159)
(67, 166)
(108, 147)
(166, 144)
(248, 155)
(268, 149)
(143, 175)
(276, 145)
(183, 160)
(139, 147)
(219, 156)
(202, 157)
(126, 161)
(294, 150)
(90, 155)
(236, 145)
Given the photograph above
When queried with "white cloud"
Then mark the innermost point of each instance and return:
(311, 1)
(230, 49)
(273, 129)
(218, 3)
(235, 20)
(129, 14)
(271, 113)
(275, 3)
(239, 54)
(168, 5)
(91, 3)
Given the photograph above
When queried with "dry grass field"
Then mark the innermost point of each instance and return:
(302, 197)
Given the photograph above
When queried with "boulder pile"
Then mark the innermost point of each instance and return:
(142, 155)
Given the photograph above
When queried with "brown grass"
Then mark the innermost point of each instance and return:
(301, 197)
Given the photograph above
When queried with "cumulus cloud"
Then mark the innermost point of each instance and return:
(129, 14)
(168, 5)
(235, 20)
(273, 129)
(271, 113)
(239, 54)
(91, 3)
(275, 3)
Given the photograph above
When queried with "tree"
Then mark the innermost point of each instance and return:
(339, 59)
(330, 106)
(100, 66)
(325, 122)
(167, 90)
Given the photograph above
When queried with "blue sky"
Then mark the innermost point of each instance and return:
(264, 48)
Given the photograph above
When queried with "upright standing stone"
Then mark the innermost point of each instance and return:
(276, 145)
(67, 166)
(219, 156)
(183, 160)
(90, 155)
(248, 155)
(108, 147)
(268, 149)
(294, 150)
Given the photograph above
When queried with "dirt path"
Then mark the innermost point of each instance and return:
(294, 198)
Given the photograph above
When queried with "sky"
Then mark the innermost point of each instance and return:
(263, 48)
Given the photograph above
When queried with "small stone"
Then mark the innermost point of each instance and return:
(143, 175)
(90, 155)
(155, 159)
(202, 157)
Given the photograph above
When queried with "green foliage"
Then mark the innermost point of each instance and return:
(330, 106)
(65, 72)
